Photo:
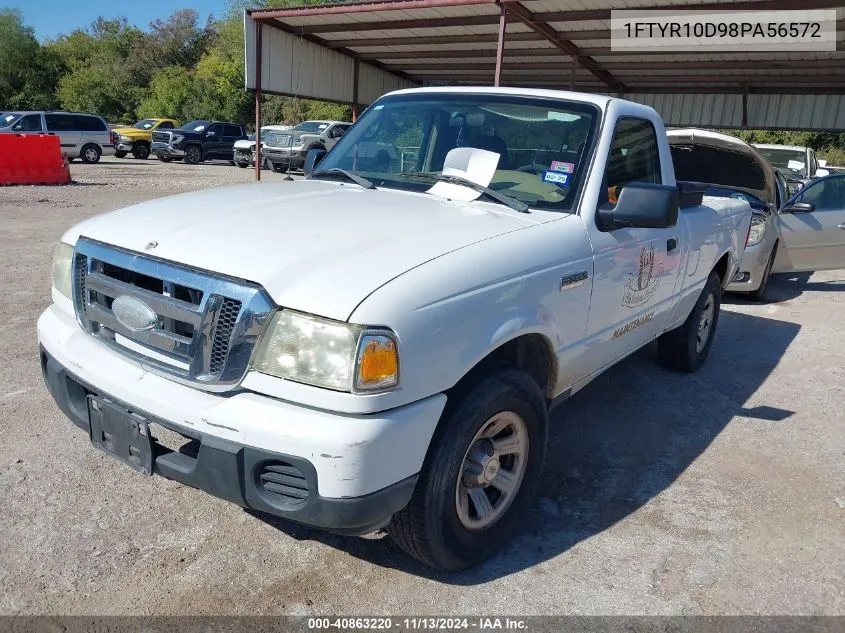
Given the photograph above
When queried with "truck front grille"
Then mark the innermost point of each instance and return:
(161, 137)
(277, 140)
(202, 327)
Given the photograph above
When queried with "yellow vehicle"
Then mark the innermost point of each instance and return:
(137, 138)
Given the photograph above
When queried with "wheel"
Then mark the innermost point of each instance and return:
(686, 347)
(278, 168)
(141, 151)
(90, 153)
(480, 475)
(242, 165)
(760, 293)
(163, 158)
(119, 154)
(193, 155)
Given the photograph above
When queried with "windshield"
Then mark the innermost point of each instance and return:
(311, 126)
(543, 145)
(791, 161)
(146, 124)
(195, 126)
(7, 118)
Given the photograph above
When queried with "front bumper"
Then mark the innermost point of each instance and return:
(359, 469)
(164, 149)
(752, 267)
(295, 159)
(124, 146)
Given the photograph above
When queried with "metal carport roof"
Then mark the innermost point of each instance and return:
(353, 53)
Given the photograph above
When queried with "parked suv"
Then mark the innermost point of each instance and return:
(137, 138)
(85, 136)
(198, 141)
(288, 150)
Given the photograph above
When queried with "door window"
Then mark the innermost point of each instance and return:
(232, 131)
(827, 194)
(217, 129)
(28, 123)
(60, 123)
(634, 156)
(165, 125)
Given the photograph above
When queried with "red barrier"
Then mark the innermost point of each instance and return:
(32, 159)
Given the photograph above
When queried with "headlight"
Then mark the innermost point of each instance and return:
(177, 138)
(62, 262)
(325, 353)
(758, 230)
(125, 139)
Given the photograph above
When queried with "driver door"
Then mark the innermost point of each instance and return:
(813, 240)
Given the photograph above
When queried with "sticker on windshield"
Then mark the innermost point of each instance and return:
(555, 177)
(795, 164)
(566, 168)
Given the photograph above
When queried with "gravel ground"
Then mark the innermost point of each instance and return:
(717, 493)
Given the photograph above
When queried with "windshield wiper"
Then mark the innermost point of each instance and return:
(513, 203)
(337, 171)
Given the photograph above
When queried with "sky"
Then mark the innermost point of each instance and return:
(50, 18)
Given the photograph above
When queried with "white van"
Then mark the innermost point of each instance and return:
(85, 136)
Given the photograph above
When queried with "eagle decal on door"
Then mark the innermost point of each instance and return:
(641, 287)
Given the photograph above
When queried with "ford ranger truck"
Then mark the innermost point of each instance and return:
(378, 347)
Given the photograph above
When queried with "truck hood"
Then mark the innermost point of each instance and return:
(132, 131)
(318, 247)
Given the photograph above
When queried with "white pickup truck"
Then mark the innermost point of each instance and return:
(380, 349)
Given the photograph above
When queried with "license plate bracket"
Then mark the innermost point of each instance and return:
(121, 433)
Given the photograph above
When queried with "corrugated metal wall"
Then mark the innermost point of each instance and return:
(808, 112)
(779, 112)
(688, 110)
(293, 66)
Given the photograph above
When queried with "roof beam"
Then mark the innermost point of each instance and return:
(557, 39)
(493, 17)
(646, 80)
(464, 38)
(832, 65)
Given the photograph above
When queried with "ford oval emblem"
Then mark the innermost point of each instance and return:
(134, 314)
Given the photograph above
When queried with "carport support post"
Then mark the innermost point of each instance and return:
(744, 122)
(355, 70)
(257, 151)
(500, 49)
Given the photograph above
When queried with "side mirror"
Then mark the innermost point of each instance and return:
(211, 133)
(822, 172)
(800, 207)
(312, 159)
(642, 205)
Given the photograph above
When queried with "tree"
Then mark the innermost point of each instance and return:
(28, 72)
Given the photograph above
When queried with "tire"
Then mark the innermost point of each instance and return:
(278, 168)
(242, 165)
(163, 158)
(141, 151)
(193, 155)
(119, 154)
(760, 293)
(685, 348)
(90, 153)
(431, 528)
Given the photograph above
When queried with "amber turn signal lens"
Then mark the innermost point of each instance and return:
(378, 363)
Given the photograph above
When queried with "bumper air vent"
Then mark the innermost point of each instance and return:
(283, 483)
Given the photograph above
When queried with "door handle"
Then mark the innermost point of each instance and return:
(671, 245)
